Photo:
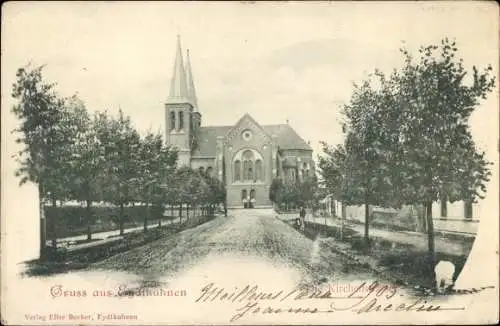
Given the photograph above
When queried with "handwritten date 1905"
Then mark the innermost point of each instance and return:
(365, 298)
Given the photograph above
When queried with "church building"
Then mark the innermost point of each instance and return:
(246, 156)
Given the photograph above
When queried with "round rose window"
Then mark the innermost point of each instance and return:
(246, 135)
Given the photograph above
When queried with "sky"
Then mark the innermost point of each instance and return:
(276, 61)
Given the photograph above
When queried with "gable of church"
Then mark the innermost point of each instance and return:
(247, 131)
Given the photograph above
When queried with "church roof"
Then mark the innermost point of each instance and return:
(287, 138)
(207, 139)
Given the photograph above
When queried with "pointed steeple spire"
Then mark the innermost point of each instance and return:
(178, 85)
(190, 83)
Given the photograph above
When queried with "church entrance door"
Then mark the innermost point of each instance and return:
(252, 198)
(244, 198)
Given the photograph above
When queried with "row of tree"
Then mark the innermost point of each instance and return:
(407, 136)
(288, 193)
(73, 155)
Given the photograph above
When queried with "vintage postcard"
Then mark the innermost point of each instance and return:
(249, 163)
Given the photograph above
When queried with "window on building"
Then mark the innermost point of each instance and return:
(250, 171)
(248, 158)
(305, 171)
(209, 171)
(444, 207)
(181, 120)
(201, 170)
(252, 194)
(258, 170)
(172, 120)
(237, 170)
(468, 210)
(244, 194)
(247, 170)
(247, 155)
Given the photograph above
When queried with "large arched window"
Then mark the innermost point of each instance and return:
(209, 171)
(248, 158)
(172, 120)
(247, 170)
(244, 194)
(237, 170)
(258, 170)
(252, 194)
(181, 120)
(201, 170)
(249, 164)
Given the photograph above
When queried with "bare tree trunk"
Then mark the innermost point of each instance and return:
(53, 222)
(89, 219)
(430, 242)
(367, 223)
(342, 216)
(161, 213)
(146, 217)
(43, 225)
(122, 222)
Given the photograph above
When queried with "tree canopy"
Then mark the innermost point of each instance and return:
(407, 137)
(72, 155)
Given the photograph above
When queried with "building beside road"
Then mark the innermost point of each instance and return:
(459, 216)
(246, 156)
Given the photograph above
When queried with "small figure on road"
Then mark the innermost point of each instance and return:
(298, 223)
(302, 215)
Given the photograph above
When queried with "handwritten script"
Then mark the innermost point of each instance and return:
(360, 299)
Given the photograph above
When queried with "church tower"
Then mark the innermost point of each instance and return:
(179, 111)
(196, 115)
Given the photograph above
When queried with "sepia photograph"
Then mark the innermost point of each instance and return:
(249, 163)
